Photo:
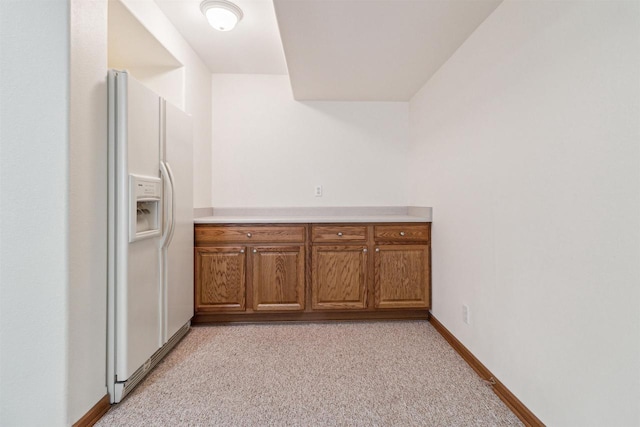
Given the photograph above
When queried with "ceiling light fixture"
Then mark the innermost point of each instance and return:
(221, 14)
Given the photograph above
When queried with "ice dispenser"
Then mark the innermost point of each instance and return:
(145, 207)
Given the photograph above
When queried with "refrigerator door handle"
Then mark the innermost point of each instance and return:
(169, 211)
(173, 204)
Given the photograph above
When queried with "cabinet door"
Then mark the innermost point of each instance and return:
(277, 278)
(220, 279)
(339, 279)
(402, 276)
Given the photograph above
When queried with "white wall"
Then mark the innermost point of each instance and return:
(527, 145)
(34, 196)
(53, 211)
(197, 91)
(133, 48)
(270, 150)
(87, 317)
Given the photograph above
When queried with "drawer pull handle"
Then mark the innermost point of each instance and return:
(402, 233)
(340, 233)
(364, 250)
(377, 249)
(248, 234)
(255, 251)
(241, 251)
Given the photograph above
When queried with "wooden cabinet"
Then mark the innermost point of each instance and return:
(312, 271)
(401, 278)
(220, 278)
(278, 278)
(339, 274)
(402, 266)
(249, 268)
(339, 277)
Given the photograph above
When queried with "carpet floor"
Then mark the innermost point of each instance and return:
(317, 374)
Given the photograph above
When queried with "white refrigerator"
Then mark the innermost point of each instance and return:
(150, 284)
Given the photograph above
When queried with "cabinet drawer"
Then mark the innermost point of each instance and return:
(401, 233)
(248, 234)
(338, 233)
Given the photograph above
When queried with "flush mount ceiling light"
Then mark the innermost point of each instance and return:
(221, 14)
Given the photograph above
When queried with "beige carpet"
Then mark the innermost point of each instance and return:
(323, 374)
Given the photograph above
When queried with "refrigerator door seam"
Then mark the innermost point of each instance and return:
(172, 228)
(168, 223)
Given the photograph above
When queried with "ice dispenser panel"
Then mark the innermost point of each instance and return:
(145, 207)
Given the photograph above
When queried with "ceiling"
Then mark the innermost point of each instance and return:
(253, 47)
(341, 50)
(382, 50)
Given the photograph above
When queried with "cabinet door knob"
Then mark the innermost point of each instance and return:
(241, 251)
(340, 233)
(255, 251)
(402, 233)
(248, 234)
(377, 249)
(364, 250)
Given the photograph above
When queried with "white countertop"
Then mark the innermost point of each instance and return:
(306, 219)
(315, 215)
